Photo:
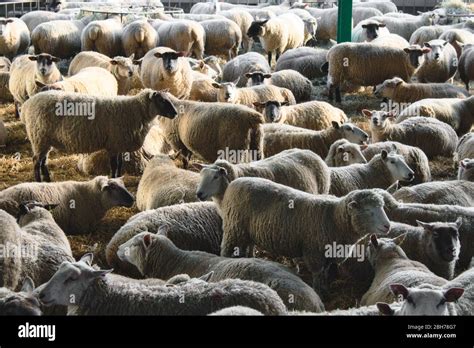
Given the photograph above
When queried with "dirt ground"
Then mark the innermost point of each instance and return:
(16, 167)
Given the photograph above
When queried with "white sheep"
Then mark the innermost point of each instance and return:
(223, 37)
(164, 184)
(305, 60)
(465, 147)
(34, 18)
(80, 204)
(138, 37)
(237, 310)
(315, 115)
(344, 153)
(380, 172)
(244, 20)
(14, 37)
(103, 36)
(237, 68)
(458, 38)
(22, 303)
(453, 111)
(10, 238)
(466, 169)
(405, 27)
(392, 265)
(300, 169)
(165, 69)
(120, 124)
(280, 137)
(156, 256)
(466, 65)
(59, 38)
(3, 134)
(279, 34)
(94, 290)
(182, 36)
(434, 137)
(440, 63)
(121, 67)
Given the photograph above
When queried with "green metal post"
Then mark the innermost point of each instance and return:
(344, 21)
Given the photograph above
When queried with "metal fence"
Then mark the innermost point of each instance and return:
(18, 8)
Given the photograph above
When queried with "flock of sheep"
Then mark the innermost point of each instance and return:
(239, 163)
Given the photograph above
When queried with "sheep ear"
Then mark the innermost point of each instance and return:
(158, 55)
(352, 205)
(132, 57)
(426, 226)
(248, 75)
(28, 285)
(101, 273)
(393, 188)
(51, 206)
(453, 294)
(400, 239)
(181, 54)
(259, 104)
(384, 154)
(175, 155)
(147, 240)
(39, 84)
(460, 44)
(382, 25)
(206, 277)
(462, 164)
(200, 166)
(55, 59)
(363, 147)
(32, 57)
(267, 76)
(385, 308)
(216, 85)
(286, 102)
(9, 20)
(335, 125)
(113, 62)
(374, 241)
(340, 149)
(138, 61)
(364, 26)
(87, 259)
(324, 67)
(201, 64)
(367, 113)
(222, 171)
(399, 289)
(459, 222)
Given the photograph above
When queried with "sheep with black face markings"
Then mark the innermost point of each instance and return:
(96, 293)
(280, 137)
(246, 221)
(434, 137)
(236, 69)
(300, 169)
(315, 115)
(434, 244)
(121, 67)
(190, 226)
(380, 172)
(368, 30)
(156, 256)
(392, 265)
(120, 124)
(344, 153)
(455, 192)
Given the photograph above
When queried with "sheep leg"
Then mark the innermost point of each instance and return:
(17, 109)
(338, 94)
(113, 165)
(45, 170)
(38, 160)
(331, 92)
(270, 58)
(233, 243)
(119, 165)
(277, 56)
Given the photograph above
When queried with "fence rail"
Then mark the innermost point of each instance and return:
(18, 8)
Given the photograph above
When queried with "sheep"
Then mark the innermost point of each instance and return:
(458, 38)
(466, 171)
(346, 64)
(391, 40)
(244, 20)
(237, 68)
(414, 157)
(121, 67)
(24, 73)
(98, 163)
(368, 30)
(278, 34)
(463, 281)
(452, 111)
(455, 192)
(92, 80)
(383, 6)
(440, 63)
(423, 300)
(344, 153)
(5, 64)
(279, 137)
(59, 38)
(466, 65)
(81, 204)
(163, 68)
(223, 37)
(164, 184)
(203, 89)
(3, 134)
(401, 92)
(11, 260)
(103, 36)
(190, 226)
(300, 169)
(436, 244)
(14, 37)
(156, 256)
(306, 60)
(409, 213)
(300, 86)
(351, 216)
(138, 37)
(465, 147)
(21, 303)
(34, 18)
(310, 24)
(392, 265)
(120, 124)
(433, 137)
(315, 115)
(96, 293)
(380, 172)
(237, 310)
(214, 130)
(199, 17)
(405, 27)
(182, 36)
(249, 96)
(200, 68)
(427, 33)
